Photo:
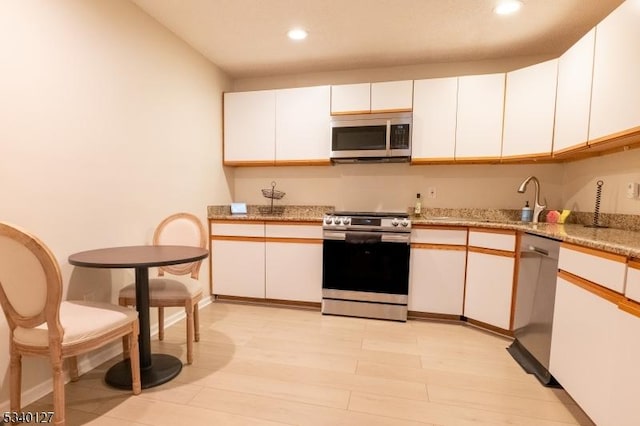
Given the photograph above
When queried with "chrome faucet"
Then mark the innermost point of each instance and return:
(537, 207)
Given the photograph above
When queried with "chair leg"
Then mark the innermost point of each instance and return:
(126, 350)
(73, 368)
(160, 323)
(15, 380)
(125, 340)
(58, 387)
(190, 331)
(134, 359)
(196, 322)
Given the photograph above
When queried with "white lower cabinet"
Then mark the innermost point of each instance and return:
(436, 281)
(267, 260)
(583, 348)
(490, 276)
(238, 268)
(294, 271)
(437, 268)
(626, 368)
(489, 288)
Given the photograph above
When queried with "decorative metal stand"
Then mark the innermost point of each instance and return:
(596, 210)
(272, 194)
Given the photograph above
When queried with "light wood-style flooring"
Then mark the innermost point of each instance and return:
(263, 365)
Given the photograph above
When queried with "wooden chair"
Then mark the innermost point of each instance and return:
(177, 229)
(42, 324)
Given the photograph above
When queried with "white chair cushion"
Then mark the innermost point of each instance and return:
(166, 289)
(80, 321)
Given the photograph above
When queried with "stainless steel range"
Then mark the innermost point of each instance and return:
(366, 264)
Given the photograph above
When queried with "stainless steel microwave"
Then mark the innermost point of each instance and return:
(371, 137)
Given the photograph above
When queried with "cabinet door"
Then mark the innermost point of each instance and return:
(480, 112)
(615, 102)
(489, 288)
(434, 119)
(582, 346)
(294, 271)
(626, 367)
(529, 110)
(351, 98)
(302, 124)
(573, 101)
(436, 281)
(392, 96)
(238, 268)
(249, 127)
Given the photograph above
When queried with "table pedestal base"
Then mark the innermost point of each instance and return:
(163, 368)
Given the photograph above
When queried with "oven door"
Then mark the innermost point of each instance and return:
(366, 262)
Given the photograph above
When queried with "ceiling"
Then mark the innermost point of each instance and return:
(247, 38)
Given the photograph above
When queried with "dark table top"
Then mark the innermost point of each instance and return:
(137, 256)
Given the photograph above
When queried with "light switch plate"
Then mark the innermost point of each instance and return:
(632, 190)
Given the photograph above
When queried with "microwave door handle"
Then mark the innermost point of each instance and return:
(388, 138)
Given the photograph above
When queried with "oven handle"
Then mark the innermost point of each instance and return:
(368, 237)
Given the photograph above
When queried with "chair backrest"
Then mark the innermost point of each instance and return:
(30, 282)
(181, 229)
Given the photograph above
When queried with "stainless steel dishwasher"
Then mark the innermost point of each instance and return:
(533, 317)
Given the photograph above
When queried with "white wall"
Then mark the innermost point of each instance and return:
(392, 187)
(108, 123)
(615, 170)
(406, 72)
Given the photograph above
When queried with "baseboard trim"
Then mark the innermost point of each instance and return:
(89, 362)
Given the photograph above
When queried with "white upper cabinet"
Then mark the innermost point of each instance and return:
(573, 101)
(250, 126)
(351, 98)
(529, 110)
(392, 96)
(480, 112)
(435, 104)
(302, 124)
(615, 102)
(372, 97)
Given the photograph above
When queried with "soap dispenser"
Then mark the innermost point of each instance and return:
(527, 213)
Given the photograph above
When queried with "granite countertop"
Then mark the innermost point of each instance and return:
(265, 213)
(617, 239)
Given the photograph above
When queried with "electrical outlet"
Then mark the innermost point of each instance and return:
(431, 192)
(632, 190)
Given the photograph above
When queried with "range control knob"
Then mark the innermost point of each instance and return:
(394, 222)
(328, 220)
(346, 220)
(337, 220)
(405, 223)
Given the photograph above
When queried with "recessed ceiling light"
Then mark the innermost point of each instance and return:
(297, 34)
(507, 7)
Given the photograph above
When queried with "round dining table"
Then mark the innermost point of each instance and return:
(155, 369)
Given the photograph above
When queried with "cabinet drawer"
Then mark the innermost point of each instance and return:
(293, 231)
(238, 229)
(493, 240)
(632, 290)
(603, 268)
(456, 237)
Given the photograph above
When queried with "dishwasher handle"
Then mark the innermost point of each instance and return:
(538, 250)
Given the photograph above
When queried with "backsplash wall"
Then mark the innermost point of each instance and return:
(394, 186)
(615, 170)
